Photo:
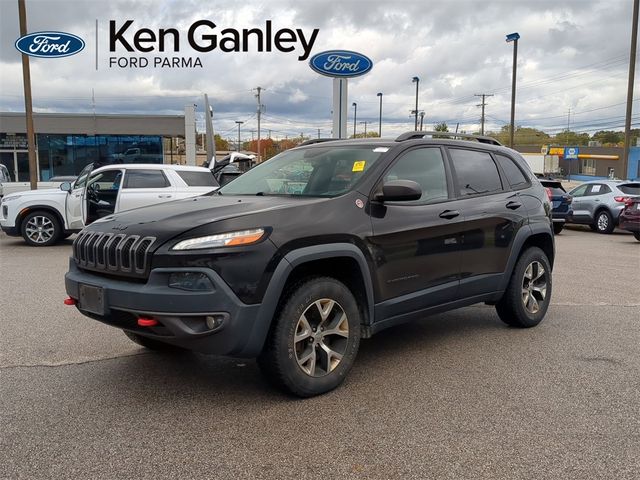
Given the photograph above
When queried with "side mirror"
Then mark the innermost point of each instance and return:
(400, 191)
(65, 186)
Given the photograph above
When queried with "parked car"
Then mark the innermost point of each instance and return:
(42, 217)
(598, 203)
(630, 217)
(381, 232)
(560, 201)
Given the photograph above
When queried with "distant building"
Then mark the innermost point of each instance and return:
(593, 161)
(66, 142)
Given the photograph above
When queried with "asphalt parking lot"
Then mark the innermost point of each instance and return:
(458, 395)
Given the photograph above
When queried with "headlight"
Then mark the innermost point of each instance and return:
(10, 198)
(243, 237)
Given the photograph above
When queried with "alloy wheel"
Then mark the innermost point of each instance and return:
(603, 222)
(534, 287)
(321, 337)
(40, 229)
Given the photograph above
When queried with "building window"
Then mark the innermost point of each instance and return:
(588, 166)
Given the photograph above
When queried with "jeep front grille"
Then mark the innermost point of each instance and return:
(113, 253)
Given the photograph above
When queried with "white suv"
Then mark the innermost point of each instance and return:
(42, 217)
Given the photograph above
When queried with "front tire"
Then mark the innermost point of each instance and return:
(527, 297)
(604, 222)
(41, 229)
(315, 337)
(557, 228)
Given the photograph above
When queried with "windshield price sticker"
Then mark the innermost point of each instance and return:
(358, 166)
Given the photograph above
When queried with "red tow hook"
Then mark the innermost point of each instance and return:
(70, 301)
(147, 322)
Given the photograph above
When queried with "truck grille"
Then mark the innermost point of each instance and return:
(113, 253)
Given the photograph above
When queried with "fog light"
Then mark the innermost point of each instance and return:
(213, 321)
(192, 281)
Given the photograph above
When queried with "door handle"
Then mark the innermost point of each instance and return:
(165, 196)
(448, 214)
(513, 205)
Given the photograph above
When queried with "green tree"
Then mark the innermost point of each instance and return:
(441, 127)
(221, 143)
(608, 137)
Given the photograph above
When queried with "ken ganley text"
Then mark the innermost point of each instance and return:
(202, 36)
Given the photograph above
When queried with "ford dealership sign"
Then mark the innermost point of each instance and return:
(50, 44)
(340, 63)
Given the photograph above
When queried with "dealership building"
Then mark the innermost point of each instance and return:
(66, 142)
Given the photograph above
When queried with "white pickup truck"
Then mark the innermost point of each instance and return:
(42, 217)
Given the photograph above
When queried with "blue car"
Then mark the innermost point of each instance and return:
(561, 202)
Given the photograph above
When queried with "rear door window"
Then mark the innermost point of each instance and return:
(145, 179)
(598, 189)
(475, 171)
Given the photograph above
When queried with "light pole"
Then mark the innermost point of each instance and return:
(421, 119)
(632, 73)
(513, 37)
(380, 117)
(239, 123)
(355, 115)
(416, 80)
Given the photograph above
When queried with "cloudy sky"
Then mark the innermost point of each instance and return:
(573, 54)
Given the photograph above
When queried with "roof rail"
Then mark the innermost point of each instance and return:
(465, 136)
(317, 140)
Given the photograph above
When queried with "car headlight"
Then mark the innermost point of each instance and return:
(10, 198)
(242, 237)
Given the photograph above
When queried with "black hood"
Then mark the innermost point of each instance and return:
(167, 220)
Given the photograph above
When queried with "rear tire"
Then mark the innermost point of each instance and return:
(40, 229)
(526, 299)
(603, 222)
(557, 228)
(314, 338)
(637, 235)
(151, 344)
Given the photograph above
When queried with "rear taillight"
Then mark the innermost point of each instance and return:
(621, 199)
(549, 193)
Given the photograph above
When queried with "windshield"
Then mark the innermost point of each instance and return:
(313, 172)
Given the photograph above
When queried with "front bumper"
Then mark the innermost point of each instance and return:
(181, 314)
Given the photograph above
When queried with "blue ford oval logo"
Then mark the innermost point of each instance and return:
(340, 63)
(50, 44)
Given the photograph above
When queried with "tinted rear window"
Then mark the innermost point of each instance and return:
(145, 179)
(198, 179)
(630, 188)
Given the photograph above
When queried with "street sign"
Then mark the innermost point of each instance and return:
(571, 153)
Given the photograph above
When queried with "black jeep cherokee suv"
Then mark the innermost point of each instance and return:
(302, 256)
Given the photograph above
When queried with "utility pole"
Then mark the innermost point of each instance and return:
(568, 124)
(632, 73)
(416, 80)
(513, 37)
(259, 89)
(355, 116)
(365, 128)
(28, 104)
(483, 95)
(318, 133)
(238, 146)
(421, 119)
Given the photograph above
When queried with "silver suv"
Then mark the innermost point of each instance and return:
(598, 203)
